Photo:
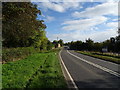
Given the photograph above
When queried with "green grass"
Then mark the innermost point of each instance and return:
(106, 54)
(108, 57)
(41, 70)
(49, 75)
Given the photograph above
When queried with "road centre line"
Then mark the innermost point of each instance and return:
(96, 65)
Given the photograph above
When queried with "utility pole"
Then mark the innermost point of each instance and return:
(57, 38)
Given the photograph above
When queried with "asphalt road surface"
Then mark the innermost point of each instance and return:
(89, 72)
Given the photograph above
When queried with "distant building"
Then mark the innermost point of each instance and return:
(59, 45)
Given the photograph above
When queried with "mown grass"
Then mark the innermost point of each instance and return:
(41, 70)
(108, 57)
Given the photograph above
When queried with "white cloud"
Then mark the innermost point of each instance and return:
(72, 0)
(112, 24)
(103, 35)
(94, 16)
(99, 10)
(59, 6)
(84, 24)
(116, 20)
(52, 6)
(76, 29)
(49, 18)
(77, 35)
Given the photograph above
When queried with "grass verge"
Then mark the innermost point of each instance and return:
(41, 70)
(102, 56)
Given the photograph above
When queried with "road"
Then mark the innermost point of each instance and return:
(89, 72)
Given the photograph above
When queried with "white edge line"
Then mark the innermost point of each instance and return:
(75, 86)
(96, 65)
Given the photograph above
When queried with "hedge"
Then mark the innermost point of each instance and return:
(13, 54)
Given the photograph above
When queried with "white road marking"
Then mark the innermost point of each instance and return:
(96, 65)
(75, 86)
(110, 62)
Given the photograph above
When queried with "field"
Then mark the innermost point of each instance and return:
(104, 56)
(41, 70)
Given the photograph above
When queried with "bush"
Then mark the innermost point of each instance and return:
(13, 54)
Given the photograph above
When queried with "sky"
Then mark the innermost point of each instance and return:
(72, 21)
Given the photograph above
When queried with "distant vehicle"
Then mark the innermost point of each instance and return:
(66, 47)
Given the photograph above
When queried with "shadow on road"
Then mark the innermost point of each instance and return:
(110, 82)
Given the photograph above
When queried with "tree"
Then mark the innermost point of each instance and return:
(77, 45)
(61, 42)
(44, 40)
(97, 46)
(49, 45)
(89, 44)
(117, 44)
(112, 44)
(119, 31)
(19, 23)
(55, 43)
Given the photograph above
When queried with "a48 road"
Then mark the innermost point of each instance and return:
(89, 72)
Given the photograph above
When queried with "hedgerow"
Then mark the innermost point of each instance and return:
(13, 54)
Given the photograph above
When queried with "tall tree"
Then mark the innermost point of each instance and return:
(19, 23)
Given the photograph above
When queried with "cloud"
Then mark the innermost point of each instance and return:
(59, 6)
(103, 35)
(49, 18)
(93, 16)
(83, 24)
(116, 20)
(77, 35)
(99, 10)
(53, 6)
(78, 28)
(72, 0)
(112, 24)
